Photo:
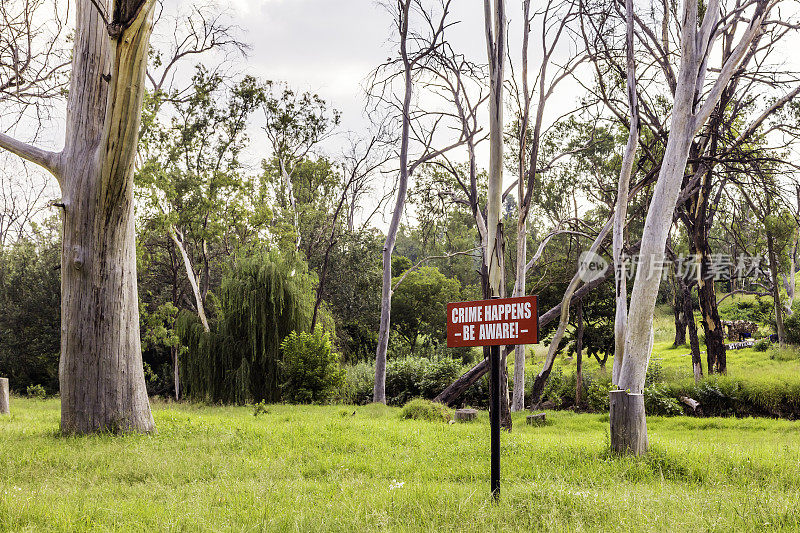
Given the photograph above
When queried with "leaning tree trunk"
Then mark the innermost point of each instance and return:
(100, 372)
(688, 117)
(177, 238)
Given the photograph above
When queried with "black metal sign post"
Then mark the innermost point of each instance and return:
(493, 323)
(494, 415)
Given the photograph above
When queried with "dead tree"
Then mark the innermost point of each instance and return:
(554, 23)
(419, 129)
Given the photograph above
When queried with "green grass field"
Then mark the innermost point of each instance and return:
(676, 363)
(344, 468)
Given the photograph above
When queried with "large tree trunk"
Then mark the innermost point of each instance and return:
(688, 117)
(100, 372)
(495, 45)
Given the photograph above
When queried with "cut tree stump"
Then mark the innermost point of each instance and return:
(537, 419)
(466, 415)
(628, 423)
(5, 404)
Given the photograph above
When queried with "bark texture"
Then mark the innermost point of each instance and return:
(495, 21)
(694, 341)
(5, 401)
(621, 209)
(628, 423)
(100, 371)
(379, 389)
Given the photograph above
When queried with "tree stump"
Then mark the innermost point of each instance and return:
(466, 415)
(5, 404)
(537, 419)
(628, 423)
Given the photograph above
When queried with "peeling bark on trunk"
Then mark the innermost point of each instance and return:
(694, 341)
(495, 21)
(100, 372)
(712, 324)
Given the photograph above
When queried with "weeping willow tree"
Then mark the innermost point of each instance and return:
(262, 300)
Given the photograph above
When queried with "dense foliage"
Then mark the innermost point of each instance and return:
(310, 368)
(30, 311)
(263, 299)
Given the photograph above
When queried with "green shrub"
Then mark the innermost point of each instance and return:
(761, 345)
(659, 402)
(358, 384)
(655, 373)
(787, 353)
(556, 386)
(420, 409)
(791, 325)
(597, 393)
(758, 310)
(718, 397)
(36, 391)
(406, 378)
(261, 408)
(417, 377)
(310, 368)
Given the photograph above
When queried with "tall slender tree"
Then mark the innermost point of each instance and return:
(415, 47)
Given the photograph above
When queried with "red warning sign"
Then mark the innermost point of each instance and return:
(493, 322)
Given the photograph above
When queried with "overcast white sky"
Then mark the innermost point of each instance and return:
(330, 46)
